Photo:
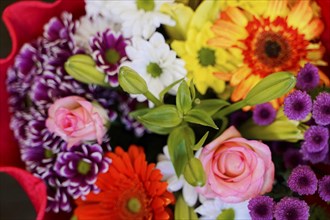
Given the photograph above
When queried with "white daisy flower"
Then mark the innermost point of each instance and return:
(212, 208)
(138, 18)
(174, 183)
(156, 63)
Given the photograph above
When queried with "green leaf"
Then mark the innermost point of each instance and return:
(131, 82)
(183, 211)
(211, 106)
(194, 172)
(183, 98)
(168, 88)
(180, 142)
(226, 214)
(165, 116)
(157, 129)
(271, 87)
(201, 142)
(139, 112)
(198, 116)
(192, 90)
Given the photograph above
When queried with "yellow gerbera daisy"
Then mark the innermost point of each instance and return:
(282, 38)
(203, 60)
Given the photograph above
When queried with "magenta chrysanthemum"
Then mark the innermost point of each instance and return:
(108, 51)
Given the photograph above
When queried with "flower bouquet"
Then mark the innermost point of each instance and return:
(163, 109)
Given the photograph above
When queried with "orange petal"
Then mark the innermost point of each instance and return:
(244, 87)
(300, 15)
(324, 79)
(239, 75)
(223, 76)
(229, 30)
(313, 29)
(237, 16)
(277, 8)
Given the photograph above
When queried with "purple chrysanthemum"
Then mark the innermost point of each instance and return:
(308, 77)
(292, 158)
(261, 207)
(108, 51)
(315, 146)
(80, 167)
(321, 109)
(297, 105)
(60, 29)
(264, 114)
(303, 180)
(317, 138)
(324, 188)
(289, 208)
(58, 200)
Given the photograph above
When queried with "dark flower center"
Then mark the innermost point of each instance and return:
(261, 210)
(206, 57)
(272, 49)
(298, 106)
(264, 113)
(317, 139)
(83, 167)
(303, 181)
(308, 77)
(112, 56)
(291, 214)
(326, 109)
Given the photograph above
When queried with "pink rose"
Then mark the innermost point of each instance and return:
(75, 120)
(237, 169)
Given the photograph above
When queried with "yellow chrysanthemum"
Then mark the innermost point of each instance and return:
(203, 60)
(281, 36)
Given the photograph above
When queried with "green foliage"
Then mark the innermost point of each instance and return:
(201, 142)
(210, 106)
(131, 82)
(183, 211)
(183, 98)
(226, 214)
(83, 69)
(194, 172)
(198, 116)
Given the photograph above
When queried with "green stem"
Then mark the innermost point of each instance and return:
(234, 107)
(153, 98)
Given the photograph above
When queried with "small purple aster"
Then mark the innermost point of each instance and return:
(308, 77)
(317, 138)
(292, 158)
(264, 114)
(289, 208)
(80, 166)
(302, 180)
(315, 146)
(60, 28)
(108, 51)
(321, 109)
(261, 207)
(297, 105)
(324, 188)
(58, 200)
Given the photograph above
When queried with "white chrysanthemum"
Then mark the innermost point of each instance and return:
(156, 63)
(212, 208)
(138, 18)
(174, 183)
(88, 27)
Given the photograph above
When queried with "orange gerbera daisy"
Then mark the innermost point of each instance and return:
(131, 189)
(283, 37)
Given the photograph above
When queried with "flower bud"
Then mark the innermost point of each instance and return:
(131, 81)
(83, 69)
(194, 173)
(271, 87)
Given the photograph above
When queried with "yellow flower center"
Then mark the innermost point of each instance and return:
(112, 56)
(206, 57)
(146, 5)
(154, 70)
(134, 205)
(83, 167)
